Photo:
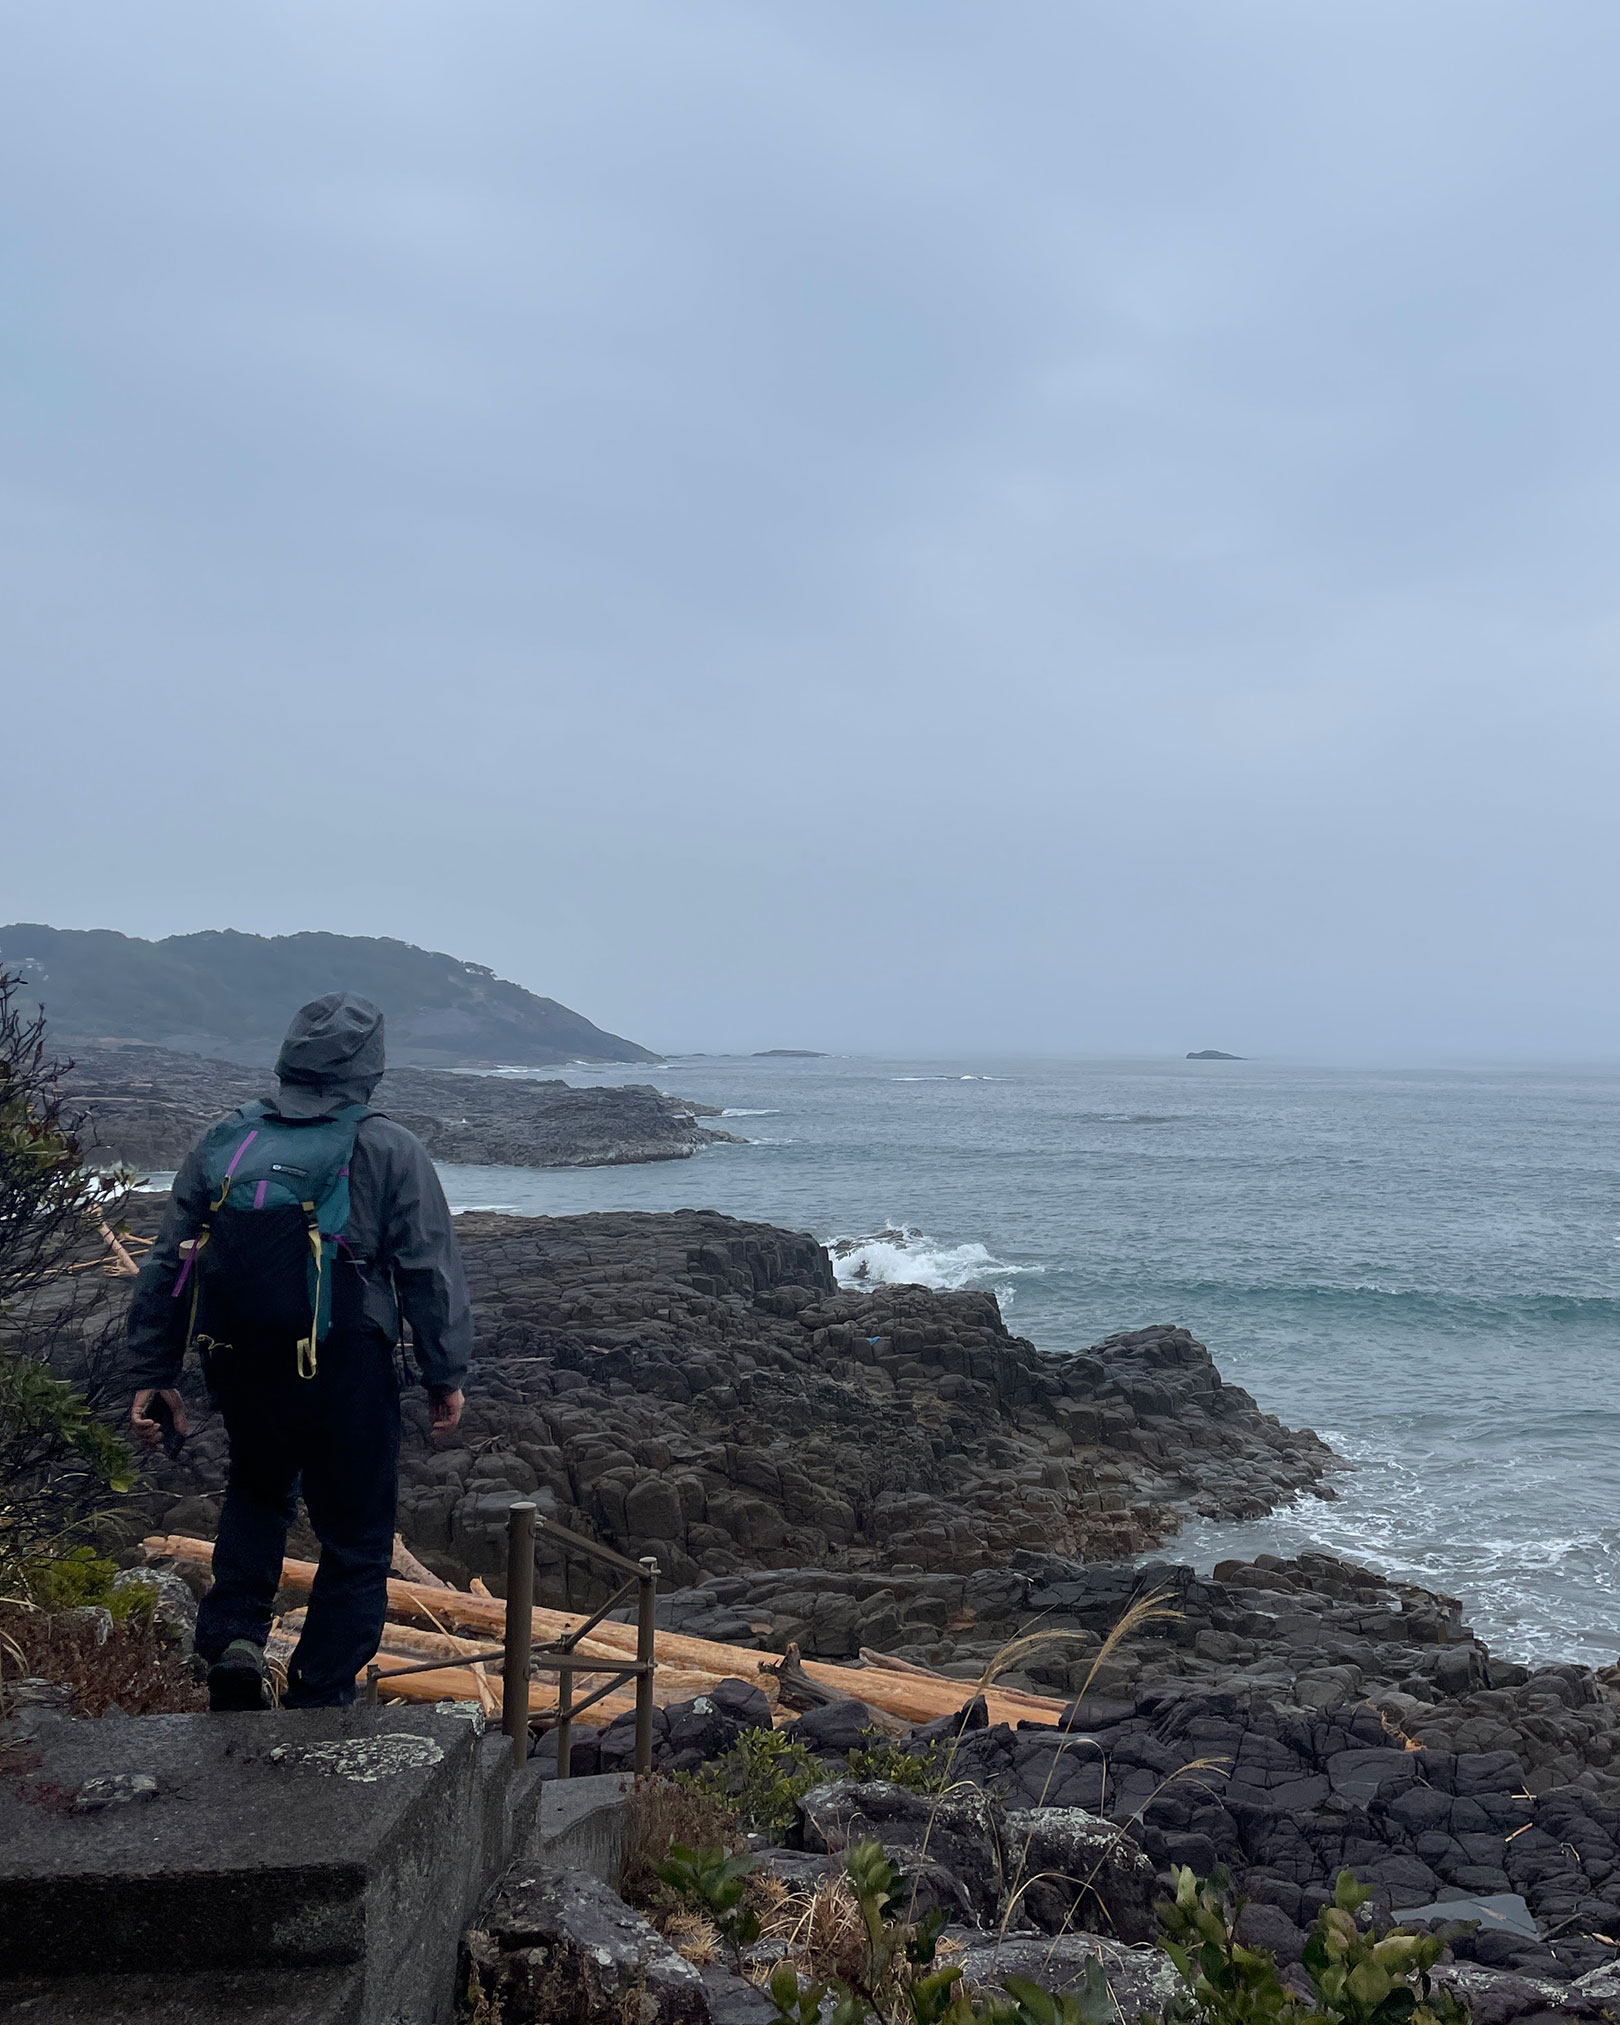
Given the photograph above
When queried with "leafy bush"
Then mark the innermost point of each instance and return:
(762, 1779)
(1357, 1976)
(894, 1974)
(921, 1771)
(57, 1460)
(81, 1576)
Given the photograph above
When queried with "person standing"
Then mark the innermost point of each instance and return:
(300, 1232)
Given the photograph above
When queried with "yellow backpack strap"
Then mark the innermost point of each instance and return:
(307, 1344)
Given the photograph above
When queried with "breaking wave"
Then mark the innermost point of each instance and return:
(904, 1255)
(743, 1111)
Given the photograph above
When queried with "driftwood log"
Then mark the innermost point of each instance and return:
(686, 1666)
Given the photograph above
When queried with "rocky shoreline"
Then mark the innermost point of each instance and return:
(886, 1476)
(147, 1107)
(701, 1389)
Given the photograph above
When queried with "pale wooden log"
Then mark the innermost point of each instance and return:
(914, 1698)
(409, 1569)
(405, 1644)
(1035, 1704)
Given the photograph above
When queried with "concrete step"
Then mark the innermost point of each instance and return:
(230, 1997)
(327, 1859)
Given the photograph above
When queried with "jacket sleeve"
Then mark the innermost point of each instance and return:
(419, 1244)
(157, 1315)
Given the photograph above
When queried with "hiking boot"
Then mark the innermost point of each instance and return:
(237, 1679)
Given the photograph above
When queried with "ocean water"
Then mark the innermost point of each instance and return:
(1421, 1265)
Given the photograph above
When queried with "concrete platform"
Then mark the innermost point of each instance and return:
(322, 1861)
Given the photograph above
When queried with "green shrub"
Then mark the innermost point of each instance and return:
(762, 1779)
(898, 1979)
(80, 1576)
(920, 1771)
(1357, 1976)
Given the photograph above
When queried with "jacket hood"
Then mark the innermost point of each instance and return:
(333, 1055)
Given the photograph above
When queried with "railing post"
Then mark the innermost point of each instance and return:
(644, 1652)
(565, 1722)
(519, 1628)
(373, 1675)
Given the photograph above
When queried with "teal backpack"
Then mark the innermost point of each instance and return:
(262, 1265)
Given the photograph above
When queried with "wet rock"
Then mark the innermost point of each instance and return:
(836, 1730)
(701, 1388)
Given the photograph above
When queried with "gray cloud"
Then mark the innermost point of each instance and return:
(908, 526)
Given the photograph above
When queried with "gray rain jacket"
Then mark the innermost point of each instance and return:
(399, 1222)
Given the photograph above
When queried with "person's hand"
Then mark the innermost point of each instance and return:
(149, 1432)
(447, 1412)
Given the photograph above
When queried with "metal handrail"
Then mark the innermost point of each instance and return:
(519, 1654)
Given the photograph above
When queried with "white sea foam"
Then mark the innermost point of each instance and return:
(904, 1255)
(743, 1111)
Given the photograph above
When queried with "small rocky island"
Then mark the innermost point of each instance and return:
(147, 1107)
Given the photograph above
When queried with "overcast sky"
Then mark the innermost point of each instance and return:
(931, 526)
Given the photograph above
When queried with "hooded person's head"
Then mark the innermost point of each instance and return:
(333, 1055)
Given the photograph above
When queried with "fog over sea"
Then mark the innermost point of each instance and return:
(1420, 1264)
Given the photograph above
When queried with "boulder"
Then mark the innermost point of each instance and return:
(948, 1843)
(1067, 1869)
(1142, 1980)
(560, 1948)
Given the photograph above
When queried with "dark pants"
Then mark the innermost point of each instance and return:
(336, 1436)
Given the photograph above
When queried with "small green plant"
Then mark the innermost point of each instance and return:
(1357, 1976)
(81, 1576)
(1093, 2005)
(762, 1779)
(1370, 1979)
(881, 1758)
(714, 1884)
(796, 2003)
(899, 1982)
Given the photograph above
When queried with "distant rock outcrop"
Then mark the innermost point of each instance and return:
(1214, 1055)
(226, 994)
(147, 1107)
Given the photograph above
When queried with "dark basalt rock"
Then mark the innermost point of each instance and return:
(561, 1948)
(1067, 1869)
(888, 1467)
(948, 1845)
